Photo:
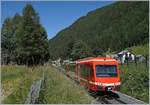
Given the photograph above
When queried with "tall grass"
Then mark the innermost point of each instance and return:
(20, 84)
(10, 78)
(58, 89)
(11, 72)
(135, 81)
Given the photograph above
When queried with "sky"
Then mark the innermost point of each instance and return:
(54, 15)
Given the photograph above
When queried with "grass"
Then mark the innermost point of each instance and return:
(140, 50)
(135, 81)
(58, 89)
(10, 79)
(137, 50)
(15, 89)
(12, 73)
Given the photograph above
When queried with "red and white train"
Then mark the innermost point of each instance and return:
(97, 73)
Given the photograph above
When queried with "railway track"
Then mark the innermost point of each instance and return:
(113, 98)
(106, 98)
(112, 101)
(109, 97)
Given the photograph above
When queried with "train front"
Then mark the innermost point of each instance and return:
(107, 75)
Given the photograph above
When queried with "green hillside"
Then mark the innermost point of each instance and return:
(141, 49)
(113, 27)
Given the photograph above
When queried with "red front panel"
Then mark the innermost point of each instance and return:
(107, 80)
(93, 79)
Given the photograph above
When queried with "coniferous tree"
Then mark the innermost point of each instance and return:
(7, 40)
(32, 42)
(16, 20)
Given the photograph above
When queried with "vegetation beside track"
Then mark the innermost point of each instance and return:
(56, 88)
(15, 90)
(135, 81)
(135, 77)
(11, 78)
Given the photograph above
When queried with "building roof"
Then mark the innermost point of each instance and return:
(124, 52)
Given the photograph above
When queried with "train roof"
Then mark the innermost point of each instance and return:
(95, 59)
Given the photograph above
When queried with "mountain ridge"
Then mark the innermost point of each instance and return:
(126, 22)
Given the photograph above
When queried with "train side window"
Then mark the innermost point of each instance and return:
(91, 71)
(86, 70)
(83, 71)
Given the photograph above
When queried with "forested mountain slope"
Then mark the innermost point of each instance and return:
(114, 27)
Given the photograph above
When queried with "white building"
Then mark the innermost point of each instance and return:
(126, 54)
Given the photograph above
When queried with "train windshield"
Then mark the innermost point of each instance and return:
(106, 70)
